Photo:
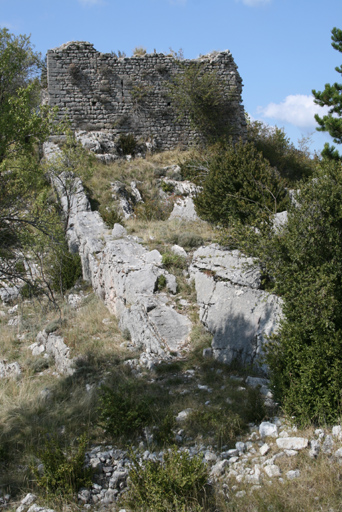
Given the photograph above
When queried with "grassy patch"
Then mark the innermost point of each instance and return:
(178, 483)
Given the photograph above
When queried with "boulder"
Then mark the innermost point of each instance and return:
(268, 429)
(184, 209)
(177, 249)
(9, 293)
(55, 347)
(232, 306)
(119, 231)
(11, 370)
(292, 443)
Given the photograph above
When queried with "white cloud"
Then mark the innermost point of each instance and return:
(296, 109)
(255, 3)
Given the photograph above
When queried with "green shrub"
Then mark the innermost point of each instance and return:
(305, 259)
(190, 240)
(170, 259)
(127, 143)
(293, 164)
(126, 334)
(53, 326)
(110, 215)
(178, 484)
(39, 364)
(66, 268)
(163, 434)
(125, 410)
(64, 472)
(219, 424)
(153, 209)
(239, 184)
(30, 290)
(161, 282)
(187, 240)
(201, 94)
(168, 188)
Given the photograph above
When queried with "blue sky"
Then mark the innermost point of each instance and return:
(282, 47)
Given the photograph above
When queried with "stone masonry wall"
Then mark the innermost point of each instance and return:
(129, 95)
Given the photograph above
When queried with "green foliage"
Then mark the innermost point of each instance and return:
(39, 364)
(168, 188)
(30, 290)
(187, 239)
(127, 143)
(20, 67)
(65, 270)
(201, 94)
(161, 282)
(110, 215)
(305, 261)
(219, 423)
(125, 410)
(291, 163)
(27, 215)
(170, 259)
(126, 334)
(332, 98)
(153, 208)
(164, 435)
(238, 183)
(179, 484)
(64, 472)
(141, 92)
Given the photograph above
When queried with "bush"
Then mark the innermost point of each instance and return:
(238, 184)
(161, 282)
(65, 270)
(127, 144)
(64, 472)
(220, 424)
(178, 484)
(187, 239)
(30, 290)
(153, 209)
(305, 258)
(124, 411)
(190, 240)
(168, 188)
(292, 164)
(201, 94)
(110, 215)
(170, 260)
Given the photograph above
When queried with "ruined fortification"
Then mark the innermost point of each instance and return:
(100, 91)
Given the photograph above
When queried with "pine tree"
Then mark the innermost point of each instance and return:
(331, 97)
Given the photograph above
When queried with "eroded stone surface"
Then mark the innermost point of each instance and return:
(124, 274)
(232, 307)
(11, 370)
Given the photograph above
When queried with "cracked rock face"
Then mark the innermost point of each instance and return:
(122, 272)
(127, 280)
(232, 307)
(54, 346)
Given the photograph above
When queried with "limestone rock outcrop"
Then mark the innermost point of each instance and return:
(123, 273)
(232, 306)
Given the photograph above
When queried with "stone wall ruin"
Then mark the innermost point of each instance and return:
(101, 92)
